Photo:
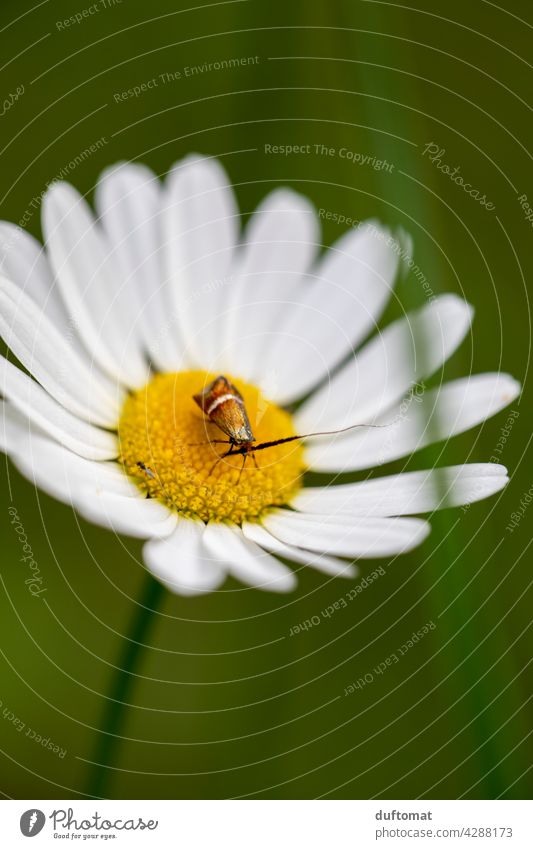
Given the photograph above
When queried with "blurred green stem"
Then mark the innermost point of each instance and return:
(122, 683)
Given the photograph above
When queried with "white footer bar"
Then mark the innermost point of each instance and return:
(267, 824)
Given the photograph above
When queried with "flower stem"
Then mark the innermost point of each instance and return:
(109, 738)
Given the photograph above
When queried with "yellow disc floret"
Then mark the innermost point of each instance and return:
(160, 428)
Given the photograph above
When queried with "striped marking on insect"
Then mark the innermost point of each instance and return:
(224, 406)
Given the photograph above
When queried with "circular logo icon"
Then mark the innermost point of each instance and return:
(32, 822)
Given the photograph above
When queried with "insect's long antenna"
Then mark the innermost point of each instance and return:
(209, 442)
(263, 445)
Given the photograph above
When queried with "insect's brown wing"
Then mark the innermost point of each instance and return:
(222, 402)
(230, 416)
(218, 387)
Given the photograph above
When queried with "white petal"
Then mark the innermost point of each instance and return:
(408, 350)
(347, 536)
(418, 421)
(200, 227)
(58, 471)
(128, 200)
(15, 430)
(182, 562)
(405, 493)
(337, 309)
(133, 516)
(100, 492)
(30, 399)
(97, 298)
(40, 347)
(245, 560)
(329, 565)
(23, 261)
(280, 244)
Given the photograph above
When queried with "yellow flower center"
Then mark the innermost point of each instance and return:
(159, 430)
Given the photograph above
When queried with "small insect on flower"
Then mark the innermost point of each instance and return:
(224, 406)
(144, 468)
(148, 472)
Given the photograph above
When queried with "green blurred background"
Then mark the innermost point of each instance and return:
(224, 703)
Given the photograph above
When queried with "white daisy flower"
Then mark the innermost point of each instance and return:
(122, 318)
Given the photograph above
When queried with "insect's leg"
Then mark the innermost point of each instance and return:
(255, 461)
(242, 468)
(225, 454)
(215, 464)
